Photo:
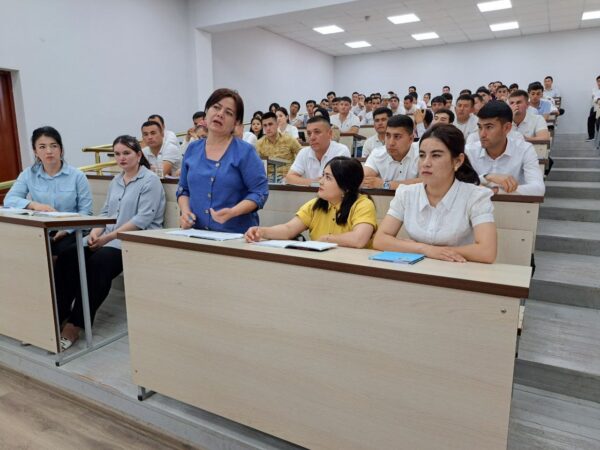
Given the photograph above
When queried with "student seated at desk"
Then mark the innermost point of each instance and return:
(275, 144)
(447, 216)
(532, 126)
(136, 199)
(52, 185)
(502, 161)
(339, 214)
(311, 161)
(397, 162)
(223, 181)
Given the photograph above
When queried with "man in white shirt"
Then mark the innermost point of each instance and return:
(164, 157)
(502, 93)
(375, 105)
(194, 133)
(542, 106)
(591, 123)
(549, 90)
(380, 117)
(465, 120)
(446, 90)
(485, 94)
(169, 136)
(502, 162)
(533, 127)
(437, 103)
(419, 104)
(409, 107)
(295, 118)
(310, 161)
(359, 109)
(310, 112)
(354, 100)
(344, 120)
(394, 105)
(398, 162)
(443, 116)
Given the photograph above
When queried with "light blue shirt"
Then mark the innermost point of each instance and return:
(67, 191)
(545, 107)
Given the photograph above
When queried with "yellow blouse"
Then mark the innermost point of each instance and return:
(321, 223)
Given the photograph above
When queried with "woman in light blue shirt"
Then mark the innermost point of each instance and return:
(223, 182)
(51, 184)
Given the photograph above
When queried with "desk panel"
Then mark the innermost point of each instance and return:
(27, 312)
(324, 358)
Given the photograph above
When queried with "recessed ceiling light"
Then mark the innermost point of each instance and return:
(424, 36)
(329, 29)
(589, 15)
(404, 18)
(504, 26)
(358, 44)
(494, 6)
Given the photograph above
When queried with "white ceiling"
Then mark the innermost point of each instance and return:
(453, 20)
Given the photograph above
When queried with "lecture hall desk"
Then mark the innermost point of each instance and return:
(27, 300)
(327, 350)
(516, 215)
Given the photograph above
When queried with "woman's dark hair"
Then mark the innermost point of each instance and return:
(322, 112)
(281, 109)
(260, 133)
(273, 107)
(257, 114)
(47, 132)
(348, 174)
(132, 143)
(222, 93)
(454, 140)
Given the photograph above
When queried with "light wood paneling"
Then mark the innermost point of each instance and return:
(26, 311)
(324, 359)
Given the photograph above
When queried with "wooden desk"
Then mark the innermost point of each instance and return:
(516, 215)
(326, 350)
(28, 300)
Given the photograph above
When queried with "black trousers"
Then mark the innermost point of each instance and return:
(591, 124)
(58, 247)
(102, 266)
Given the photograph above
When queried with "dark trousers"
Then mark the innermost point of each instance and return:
(591, 124)
(58, 247)
(102, 266)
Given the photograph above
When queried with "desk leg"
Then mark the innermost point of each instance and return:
(53, 288)
(143, 394)
(87, 320)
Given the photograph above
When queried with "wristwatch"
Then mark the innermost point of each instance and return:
(386, 185)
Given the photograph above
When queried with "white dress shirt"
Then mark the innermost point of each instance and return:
(307, 165)
(389, 169)
(346, 125)
(518, 160)
(250, 138)
(168, 152)
(451, 221)
(370, 144)
(470, 126)
(367, 119)
(512, 134)
(171, 137)
(291, 130)
(531, 125)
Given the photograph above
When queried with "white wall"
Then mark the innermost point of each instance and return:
(95, 70)
(264, 68)
(568, 56)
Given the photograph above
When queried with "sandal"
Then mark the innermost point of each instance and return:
(65, 343)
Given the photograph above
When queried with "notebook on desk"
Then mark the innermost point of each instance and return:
(315, 246)
(206, 234)
(398, 257)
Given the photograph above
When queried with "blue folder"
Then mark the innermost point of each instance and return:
(398, 257)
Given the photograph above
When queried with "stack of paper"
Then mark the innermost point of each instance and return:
(207, 234)
(316, 246)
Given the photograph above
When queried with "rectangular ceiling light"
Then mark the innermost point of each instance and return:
(329, 29)
(589, 15)
(424, 36)
(494, 6)
(404, 18)
(358, 44)
(504, 26)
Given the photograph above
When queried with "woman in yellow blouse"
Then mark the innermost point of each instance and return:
(339, 214)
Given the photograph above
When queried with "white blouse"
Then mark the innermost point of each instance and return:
(291, 130)
(451, 222)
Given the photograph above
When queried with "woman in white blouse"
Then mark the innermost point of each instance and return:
(448, 216)
(283, 123)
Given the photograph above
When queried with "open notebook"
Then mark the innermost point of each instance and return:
(315, 246)
(29, 212)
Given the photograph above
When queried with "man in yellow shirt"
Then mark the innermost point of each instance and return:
(275, 145)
